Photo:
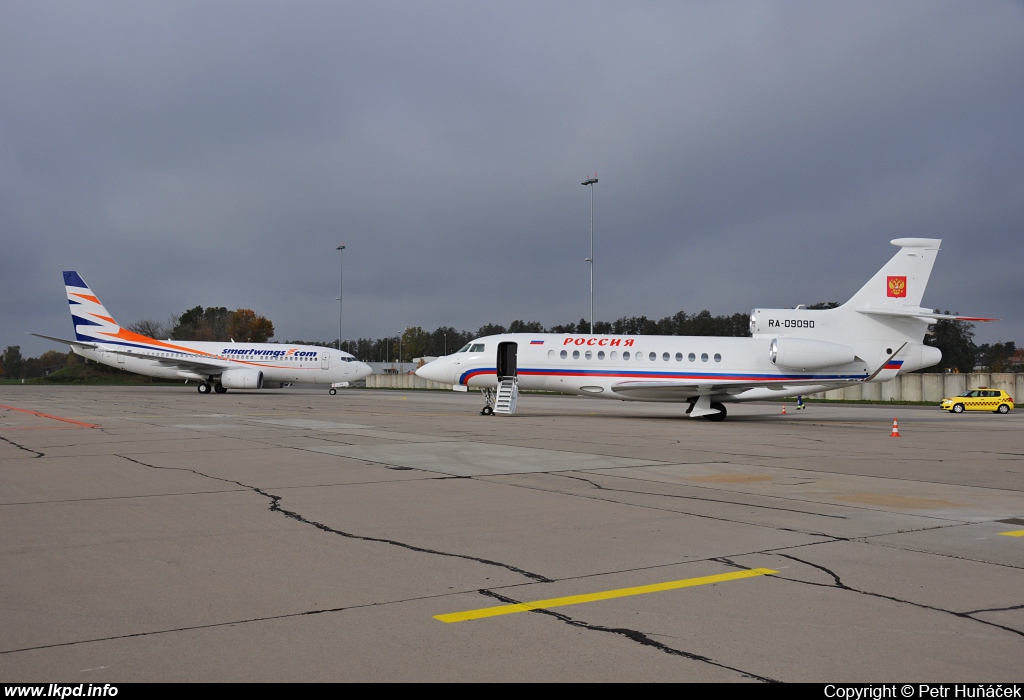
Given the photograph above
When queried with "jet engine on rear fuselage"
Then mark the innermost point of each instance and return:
(801, 353)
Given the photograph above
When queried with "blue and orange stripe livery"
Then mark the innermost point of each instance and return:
(644, 375)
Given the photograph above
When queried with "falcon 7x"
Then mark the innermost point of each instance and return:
(873, 337)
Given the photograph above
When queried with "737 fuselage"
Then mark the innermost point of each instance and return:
(217, 366)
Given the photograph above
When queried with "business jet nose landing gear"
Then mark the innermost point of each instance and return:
(488, 409)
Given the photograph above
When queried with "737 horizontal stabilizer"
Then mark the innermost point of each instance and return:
(79, 343)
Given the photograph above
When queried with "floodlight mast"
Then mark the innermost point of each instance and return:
(591, 181)
(341, 289)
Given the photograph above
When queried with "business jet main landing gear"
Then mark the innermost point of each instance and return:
(488, 409)
(204, 387)
(332, 391)
(716, 417)
(704, 407)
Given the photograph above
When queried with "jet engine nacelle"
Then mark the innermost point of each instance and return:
(800, 353)
(242, 379)
(917, 356)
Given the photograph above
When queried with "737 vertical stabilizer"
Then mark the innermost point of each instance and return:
(92, 321)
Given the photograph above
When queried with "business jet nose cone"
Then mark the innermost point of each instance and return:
(435, 371)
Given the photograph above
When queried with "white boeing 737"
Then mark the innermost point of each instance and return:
(215, 365)
(874, 336)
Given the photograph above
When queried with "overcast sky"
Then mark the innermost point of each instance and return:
(750, 154)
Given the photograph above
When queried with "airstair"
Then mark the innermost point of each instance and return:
(508, 392)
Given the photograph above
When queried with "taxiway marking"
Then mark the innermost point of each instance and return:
(601, 595)
(47, 415)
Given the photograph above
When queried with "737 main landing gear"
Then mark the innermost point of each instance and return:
(204, 388)
(488, 409)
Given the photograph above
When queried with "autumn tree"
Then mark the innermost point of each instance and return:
(415, 342)
(217, 323)
(446, 340)
(155, 329)
(520, 326)
(245, 325)
(956, 341)
(11, 362)
(997, 357)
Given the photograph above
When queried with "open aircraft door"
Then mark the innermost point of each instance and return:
(508, 379)
(507, 358)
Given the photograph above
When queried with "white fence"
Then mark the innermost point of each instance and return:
(924, 386)
(402, 381)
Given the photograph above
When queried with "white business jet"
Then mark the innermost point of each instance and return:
(217, 366)
(871, 338)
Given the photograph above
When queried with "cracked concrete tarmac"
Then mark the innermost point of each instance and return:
(294, 536)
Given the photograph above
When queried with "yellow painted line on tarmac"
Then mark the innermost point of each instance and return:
(1013, 533)
(602, 595)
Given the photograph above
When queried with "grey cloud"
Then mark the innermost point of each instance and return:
(760, 154)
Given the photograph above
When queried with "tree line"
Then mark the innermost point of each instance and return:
(212, 323)
(954, 338)
(416, 342)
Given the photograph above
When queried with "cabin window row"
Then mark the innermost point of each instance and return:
(250, 357)
(634, 356)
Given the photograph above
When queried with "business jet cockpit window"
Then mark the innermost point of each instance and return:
(472, 347)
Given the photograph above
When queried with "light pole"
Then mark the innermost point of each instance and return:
(591, 181)
(341, 289)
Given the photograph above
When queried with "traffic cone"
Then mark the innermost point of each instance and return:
(895, 429)
(783, 409)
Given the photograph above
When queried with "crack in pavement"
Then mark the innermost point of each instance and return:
(838, 583)
(633, 635)
(672, 510)
(698, 498)
(212, 625)
(870, 539)
(275, 506)
(22, 447)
